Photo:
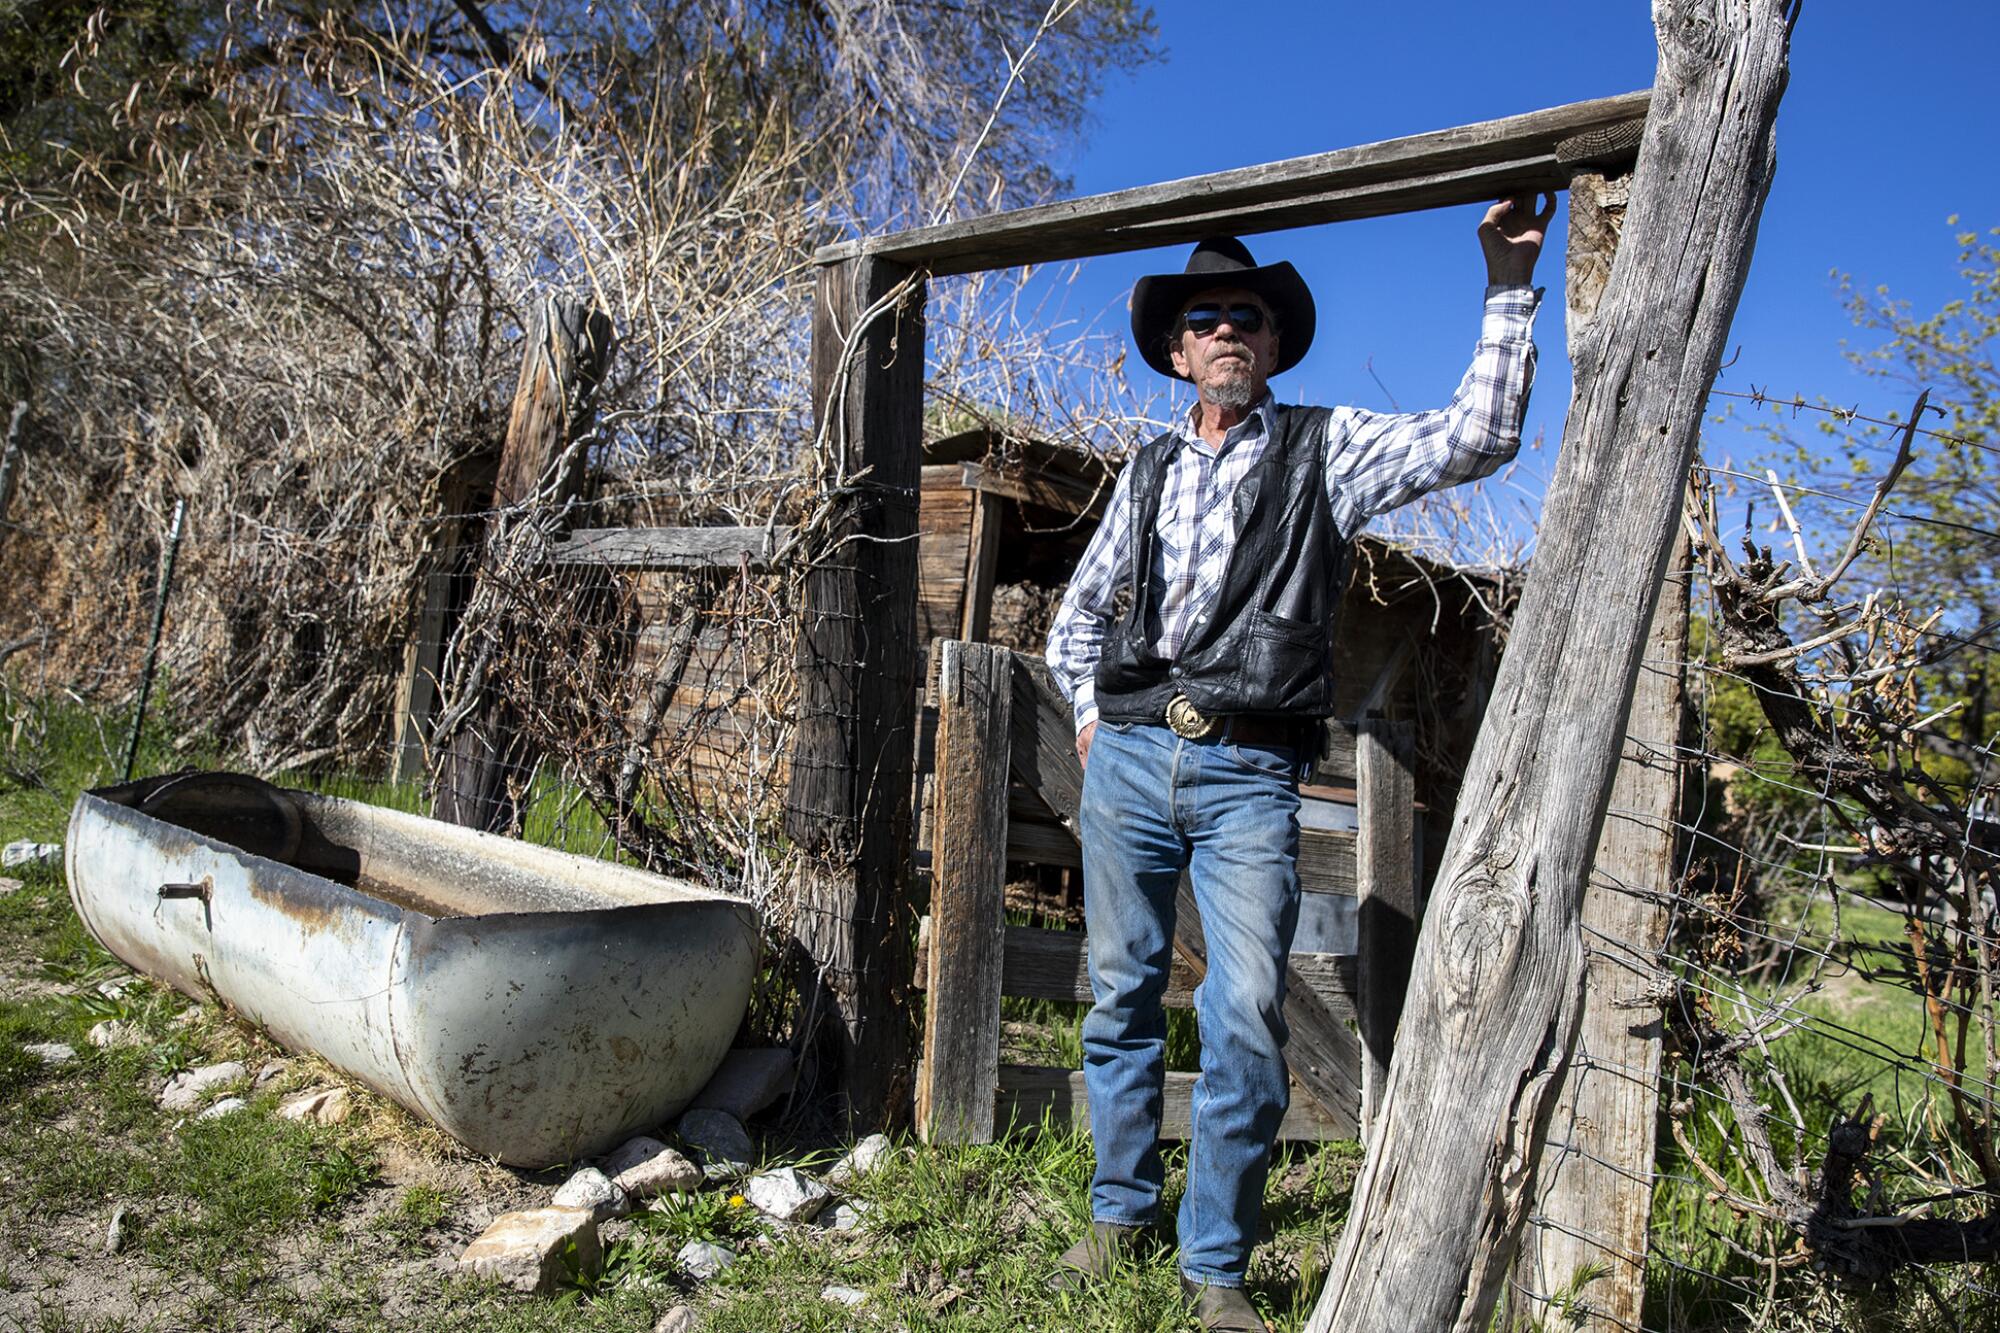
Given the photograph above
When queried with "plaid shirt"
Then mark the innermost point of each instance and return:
(1375, 462)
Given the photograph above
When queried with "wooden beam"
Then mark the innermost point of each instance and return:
(1031, 1093)
(484, 762)
(672, 549)
(849, 800)
(1454, 166)
(968, 891)
(1386, 875)
(1043, 964)
(1497, 991)
(982, 562)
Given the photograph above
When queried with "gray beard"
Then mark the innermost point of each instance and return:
(1232, 393)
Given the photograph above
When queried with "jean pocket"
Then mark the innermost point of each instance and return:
(1279, 761)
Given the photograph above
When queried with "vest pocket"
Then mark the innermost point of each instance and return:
(1282, 660)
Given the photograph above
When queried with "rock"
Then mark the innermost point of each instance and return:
(328, 1106)
(187, 1017)
(114, 1234)
(526, 1250)
(187, 1090)
(25, 853)
(862, 1158)
(845, 1215)
(704, 1259)
(111, 1032)
(680, 1319)
(644, 1167)
(115, 988)
(786, 1194)
(8, 886)
(51, 1052)
(721, 1145)
(748, 1081)
(272, 1071)
(227, 1106)
(847, 1296)
(592, 1190)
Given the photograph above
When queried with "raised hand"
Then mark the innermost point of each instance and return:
(1511, 236)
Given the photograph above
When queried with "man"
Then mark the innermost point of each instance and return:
(1196, 705)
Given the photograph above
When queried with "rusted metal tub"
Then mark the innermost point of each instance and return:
(537, 1006)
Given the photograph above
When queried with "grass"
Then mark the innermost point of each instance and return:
(251, 1221)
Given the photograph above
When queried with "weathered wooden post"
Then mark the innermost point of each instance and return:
(1594, 1192)
(567, 349)
(849, 803)
(1496, 993)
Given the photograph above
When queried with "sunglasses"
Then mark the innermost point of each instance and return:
(1202, 320)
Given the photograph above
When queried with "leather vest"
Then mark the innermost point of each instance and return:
(1266, 646)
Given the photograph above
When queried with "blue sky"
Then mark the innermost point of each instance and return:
(1887, 128)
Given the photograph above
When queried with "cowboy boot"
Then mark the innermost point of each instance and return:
(1223, 1308)
(1103, 1248)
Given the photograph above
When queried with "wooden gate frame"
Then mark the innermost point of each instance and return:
(1005, 788)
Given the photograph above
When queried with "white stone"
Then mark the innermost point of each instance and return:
(525, 1250)
(704, 1258)
(114, 1234)
(188, 1016)
(8, 886)
(720, 1143)
(861, 1159)
(187, 1090)
(111, 1032)
(26, 853)
(786, 1194)
(328, 1106)
(748, 1081)
(847, 1296)
(115, 988)
(272, 1070)
(680, 1319)
(51, 1052)
(227, 1106)
(591, 1189)
(645, 1167)
(846, 1215)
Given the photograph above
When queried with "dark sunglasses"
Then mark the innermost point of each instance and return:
(1202, 320)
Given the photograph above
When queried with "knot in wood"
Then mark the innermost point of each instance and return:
(1479, 934)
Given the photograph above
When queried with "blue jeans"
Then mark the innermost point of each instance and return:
(1155, 804)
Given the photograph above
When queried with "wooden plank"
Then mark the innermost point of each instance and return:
(1045, 739)
(1386, 871)
(1045, 964)
(1595, 1186)
(968, 891)
(483, 763)
(1031, 1093)
(1337, 764)
(1466, 164)
(1496, 996)
(672, 548)
(982, 559)
(849, 797)
(1050, 490)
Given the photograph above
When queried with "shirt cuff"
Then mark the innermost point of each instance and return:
(1510, 313)
(1085, 705)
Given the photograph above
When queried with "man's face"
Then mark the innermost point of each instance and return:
(1228, 365)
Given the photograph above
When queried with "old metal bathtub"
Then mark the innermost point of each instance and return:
(537, 1006)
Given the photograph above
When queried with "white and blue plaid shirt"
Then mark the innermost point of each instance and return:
(1375, 462)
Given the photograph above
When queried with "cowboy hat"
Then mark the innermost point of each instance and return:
(1221, 261)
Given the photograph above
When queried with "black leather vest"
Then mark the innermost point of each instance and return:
(1266, 646)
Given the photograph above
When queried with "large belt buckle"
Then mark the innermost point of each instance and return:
(1187, 721)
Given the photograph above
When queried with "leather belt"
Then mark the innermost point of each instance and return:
(1242, 728)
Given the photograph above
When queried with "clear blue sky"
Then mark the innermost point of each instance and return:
(1887, 128)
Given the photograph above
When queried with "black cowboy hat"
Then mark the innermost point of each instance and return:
(1221, 261)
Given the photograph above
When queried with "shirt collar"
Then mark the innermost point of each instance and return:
(1255, 425)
